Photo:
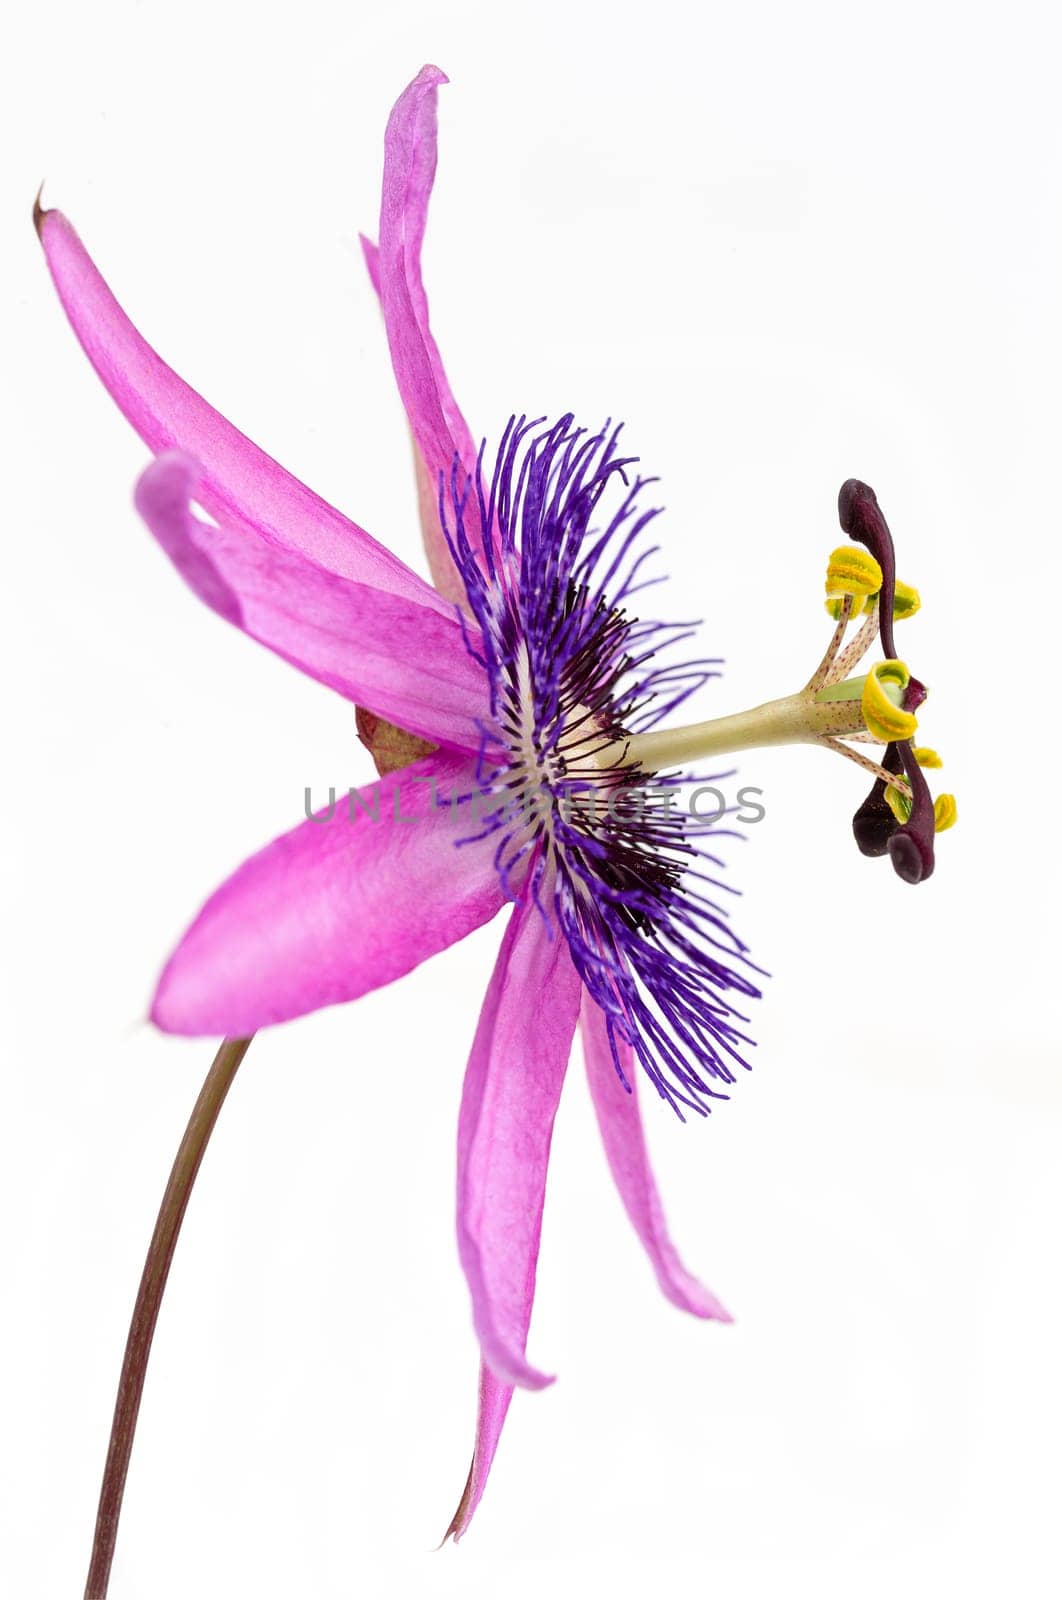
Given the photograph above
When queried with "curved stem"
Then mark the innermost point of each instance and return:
(146, 1310)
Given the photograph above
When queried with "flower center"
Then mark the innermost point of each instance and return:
(574, 678)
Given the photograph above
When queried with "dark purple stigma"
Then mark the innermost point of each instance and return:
(861, 518)
(876, 830)
(914, 695)
(911, 846)
(874, 823)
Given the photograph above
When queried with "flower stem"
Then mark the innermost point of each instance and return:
(146, 1310)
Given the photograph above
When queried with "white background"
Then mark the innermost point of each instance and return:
(787, 244)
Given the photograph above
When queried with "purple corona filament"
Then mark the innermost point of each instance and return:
(609, 855)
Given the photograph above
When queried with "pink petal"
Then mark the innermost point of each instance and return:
(238, 478)
(409, 173)
(335, 908)
(371, 253)
(511, 1090)
(621, 1130)
(405, 662)
(444, 573)
(494, 1397)
(439, 429)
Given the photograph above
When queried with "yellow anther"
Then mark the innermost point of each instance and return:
(852, 571)
(905, 601)
(899, 803)
(945, 812)
(926, 757)
(882, 702)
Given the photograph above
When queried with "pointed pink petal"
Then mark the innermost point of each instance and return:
(409, 173)
(512, 1087)
(371, 253)
(625, 1145)
(494, 1397)
(439, 430)
(621, 1130)
(444, 573)
(405, 662)
(239, 479)
(335, 908)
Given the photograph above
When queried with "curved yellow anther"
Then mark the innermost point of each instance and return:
(852, 571)
(899, 803)
(926, 757)
(882, 700)
(905, 601)
(945, 812)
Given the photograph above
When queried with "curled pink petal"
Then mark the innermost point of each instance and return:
(439, 429)
(403, 661)
(619, 1120)
(494, 1397)
(238, 478)
(510, 1096)
(335, 908)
